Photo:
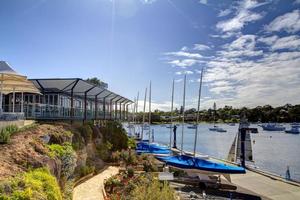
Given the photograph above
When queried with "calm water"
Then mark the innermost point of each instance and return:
(272, 151)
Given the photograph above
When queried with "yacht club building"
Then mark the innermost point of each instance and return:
(57, 99)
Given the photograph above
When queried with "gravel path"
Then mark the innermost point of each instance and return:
(92, 188)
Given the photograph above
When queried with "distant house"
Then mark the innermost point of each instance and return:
(56, 98)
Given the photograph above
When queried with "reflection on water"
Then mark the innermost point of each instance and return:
(272, 151)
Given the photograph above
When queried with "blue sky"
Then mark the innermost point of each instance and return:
(250, 50)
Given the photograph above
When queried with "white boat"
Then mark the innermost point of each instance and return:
(169, 126)
(221, 130)
(192, 126)
(295, 124)
(273, 127)
(293, 130)
(214, 128)
(217, 129)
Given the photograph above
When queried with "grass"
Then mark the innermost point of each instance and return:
(6, 133)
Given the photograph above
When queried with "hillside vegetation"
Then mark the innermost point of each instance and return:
(45, 160)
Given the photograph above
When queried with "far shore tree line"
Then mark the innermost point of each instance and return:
(287, 113)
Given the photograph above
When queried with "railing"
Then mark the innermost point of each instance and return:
(7, 116)
(41, 111)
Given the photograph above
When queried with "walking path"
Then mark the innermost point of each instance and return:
(271, 187)
(92, 188)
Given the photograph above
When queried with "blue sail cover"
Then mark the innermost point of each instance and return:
(189, 162)
(145, 145)
(152, 148)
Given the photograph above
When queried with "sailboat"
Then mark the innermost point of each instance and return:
(146, 146)
(202, 167)
(216, 128)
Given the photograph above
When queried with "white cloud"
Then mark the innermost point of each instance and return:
(241, 53)
(184, 48)
(273, 79)
(224, 13)
(184, 72)
(297, 2)
(220, 83)
(289, 22)
(164, 105)
(178, 80)
(243, 16)
(184, 54)
(268, 40)
(203, 2)
(242, 46)
(148, 1)
(201, 47)
(289, 42)
(183, 63)
(243, 42)
(222, 89)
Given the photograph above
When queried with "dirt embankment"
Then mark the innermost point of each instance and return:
(28, 149)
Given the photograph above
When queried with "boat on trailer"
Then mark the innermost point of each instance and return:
(194, 165)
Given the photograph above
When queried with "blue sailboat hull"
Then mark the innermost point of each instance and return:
(152, 148)
(191, 163)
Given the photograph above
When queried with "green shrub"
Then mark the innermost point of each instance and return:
(86, 132)
(104, 151)
(77, 141)
(131, 143)
(130, 172)
(6, 133)
(114, 133)
(85, 170)
(67, 155)
(116, 156)
(152, 189)
(111, 183)
(36, 184)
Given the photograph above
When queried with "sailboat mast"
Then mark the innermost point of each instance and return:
(137, 106)
(198, 113)
(149, 111)
(144, 114)
(172, 113)
(215, 107)
(183, 112)
(133, 106)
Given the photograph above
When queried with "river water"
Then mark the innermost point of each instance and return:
(272, 151)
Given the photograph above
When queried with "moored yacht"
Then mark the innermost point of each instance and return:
(273, 127)
(293, 130)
